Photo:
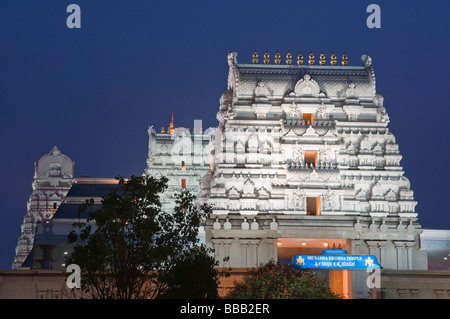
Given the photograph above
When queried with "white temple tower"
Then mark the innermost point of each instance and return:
(182, 156)
(303, 160)
(53, 177)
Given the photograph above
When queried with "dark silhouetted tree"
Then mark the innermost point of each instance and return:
(138, 250)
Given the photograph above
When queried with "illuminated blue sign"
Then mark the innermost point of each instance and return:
(335, 259)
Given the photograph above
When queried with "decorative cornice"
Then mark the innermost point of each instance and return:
(299, 70)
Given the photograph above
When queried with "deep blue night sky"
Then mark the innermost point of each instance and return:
(94, 91)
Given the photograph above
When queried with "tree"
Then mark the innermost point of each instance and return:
(193, 277)
(137, 249)
(272, 281)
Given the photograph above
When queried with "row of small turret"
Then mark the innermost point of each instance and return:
(311, 59)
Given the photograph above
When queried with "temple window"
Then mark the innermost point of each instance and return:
(308, 117)
(183, 182)
(311, 158)
(313, 206)
(55, 170)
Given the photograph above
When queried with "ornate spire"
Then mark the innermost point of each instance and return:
(55, 151)
(162, 130)
(266, 58)
(333, 59)
(288, 58)
(322, 59)
(277, 58)
(344, 59)
(300, 59)
(171, 128)
(255, 57)
(311, 58)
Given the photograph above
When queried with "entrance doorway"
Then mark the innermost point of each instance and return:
(339, 281)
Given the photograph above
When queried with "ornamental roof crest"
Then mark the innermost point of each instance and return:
(261, 90)
(307, 87)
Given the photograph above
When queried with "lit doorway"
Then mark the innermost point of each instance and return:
(339, 281)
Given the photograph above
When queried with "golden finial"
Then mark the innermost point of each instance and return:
(193, 130)
(201, 130)
(311, 59)
(344, 59)
(322, 59)
(255, 57)
(333, 59)
(288, 58)
(162, 130)
(171, 129)
(277, 58)
(266, 58)
(300, 59)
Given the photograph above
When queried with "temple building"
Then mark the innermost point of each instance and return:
(53, 177)
(51, 246)
(303, 160)
(302, 163)
(177, 154)
(182, 156)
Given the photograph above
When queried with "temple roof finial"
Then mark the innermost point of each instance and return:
(322, 59)
(344, 59)
(333, 59)
(266, 58)
(288, 58)
(311, 58)
(300, 59)
(255, 57)
(277, 57)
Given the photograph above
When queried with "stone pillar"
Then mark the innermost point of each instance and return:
(244, 248)
(254, 253)
(409, 246)
(249, 248)
(222, 250)
(402, 255)
(272, 249)
(374, 249)
(387, 255)
(226, 252)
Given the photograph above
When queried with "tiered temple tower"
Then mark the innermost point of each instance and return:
(303, 160)
(53, 177)
(180, 155)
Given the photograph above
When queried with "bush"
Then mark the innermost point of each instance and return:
(272, 281)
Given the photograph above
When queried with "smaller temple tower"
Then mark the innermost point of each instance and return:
(53, 177)
(182, 156)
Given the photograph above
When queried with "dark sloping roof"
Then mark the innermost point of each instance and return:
(71, 211)
(90, 190)
(28, 261)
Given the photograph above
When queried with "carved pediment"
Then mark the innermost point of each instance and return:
(307, 87)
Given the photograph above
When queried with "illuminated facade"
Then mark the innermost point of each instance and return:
(53, 177)
(303, 160)
(181, 156)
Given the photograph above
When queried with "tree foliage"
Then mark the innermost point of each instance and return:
(138, 250)
(272, 281)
